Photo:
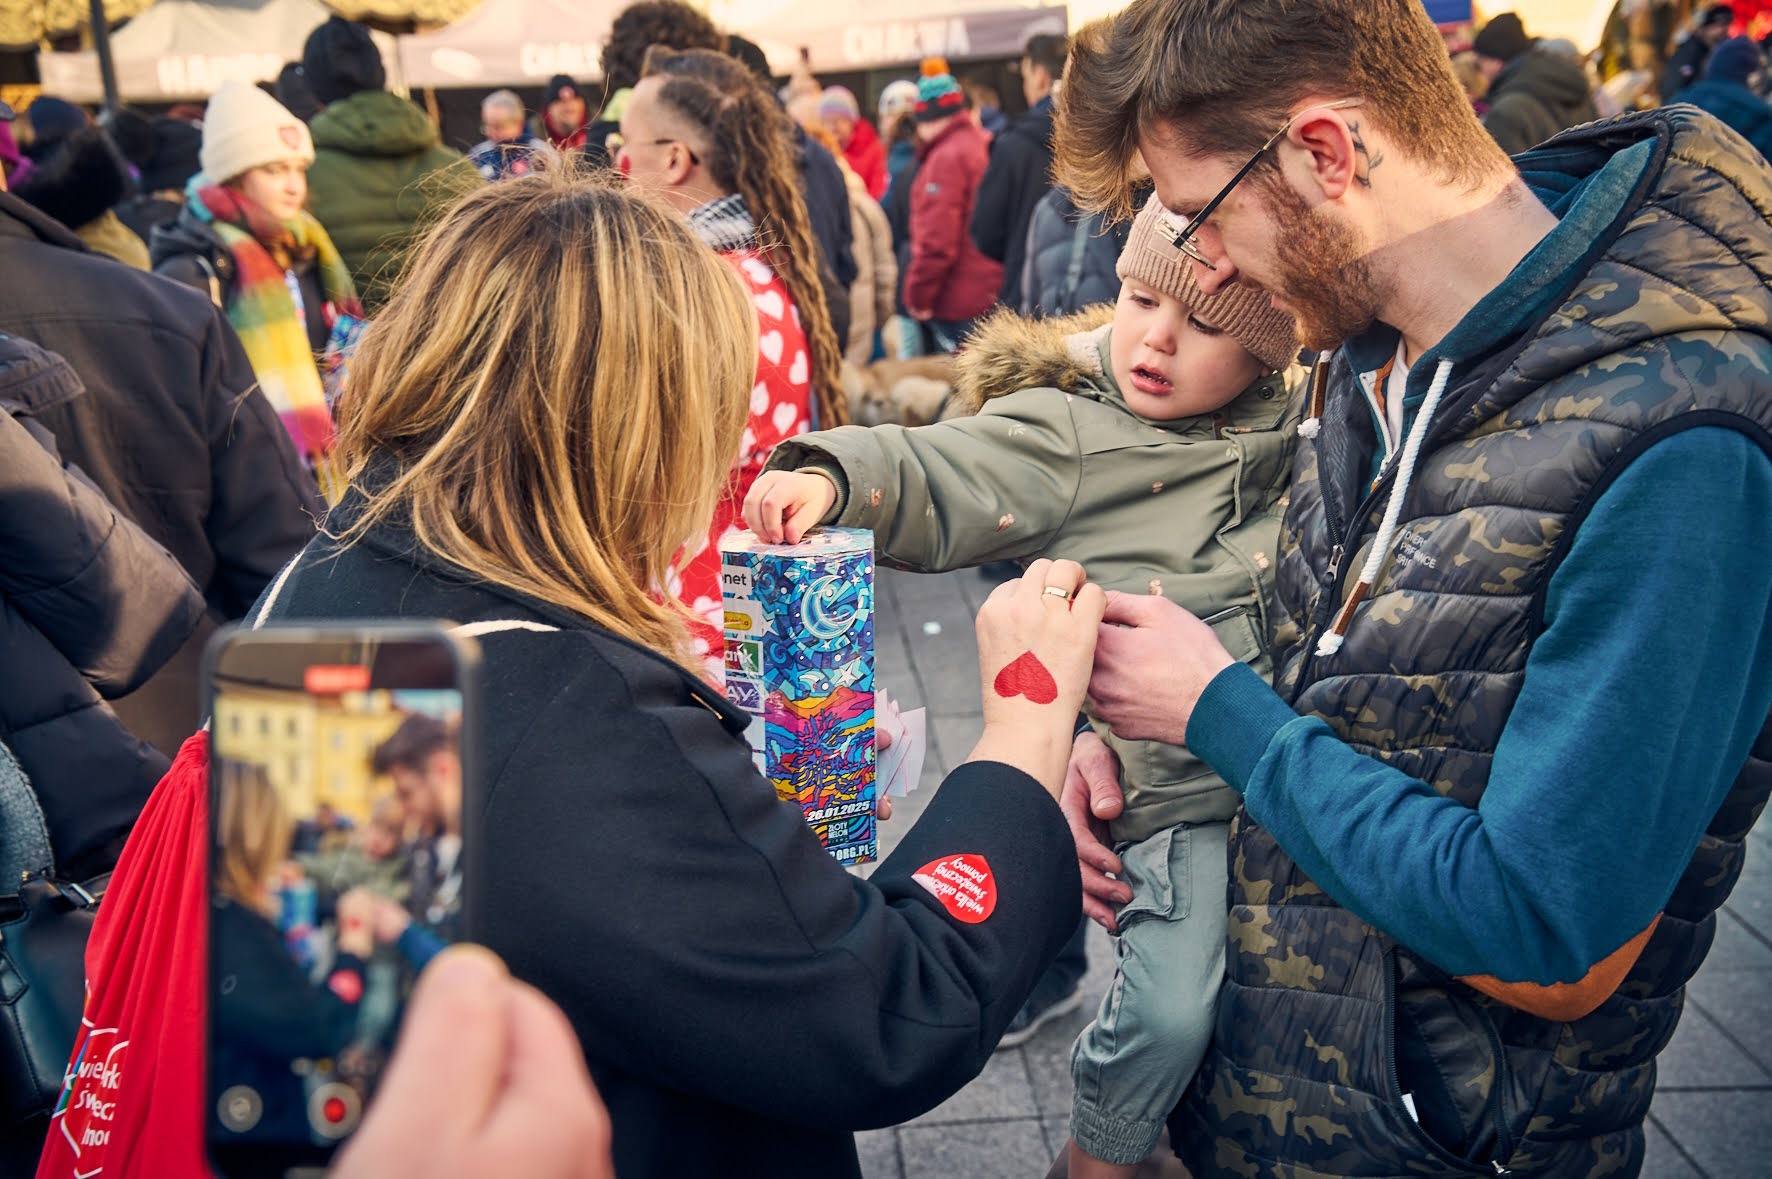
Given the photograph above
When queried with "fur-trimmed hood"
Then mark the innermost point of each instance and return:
(1010, 352)
(78, 180)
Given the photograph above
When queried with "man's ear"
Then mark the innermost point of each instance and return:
(678, 165)
(1333, 148)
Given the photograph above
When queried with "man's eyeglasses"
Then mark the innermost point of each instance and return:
(615, 143)
(1181, 236)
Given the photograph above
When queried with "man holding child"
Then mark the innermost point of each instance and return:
(1519, 723)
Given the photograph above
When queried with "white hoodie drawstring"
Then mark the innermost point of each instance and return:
(1313, 413)
(1331, 640)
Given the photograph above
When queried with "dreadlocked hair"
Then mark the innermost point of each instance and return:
(750, 152)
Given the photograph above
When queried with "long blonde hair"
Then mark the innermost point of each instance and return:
(560, 382)
(252, 829)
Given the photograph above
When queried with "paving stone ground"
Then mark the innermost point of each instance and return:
(1712, 1117)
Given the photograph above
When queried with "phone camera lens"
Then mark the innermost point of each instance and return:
(240, 1108)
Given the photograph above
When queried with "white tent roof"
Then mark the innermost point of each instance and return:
(512, 43)
(842, 35)
(181, 49)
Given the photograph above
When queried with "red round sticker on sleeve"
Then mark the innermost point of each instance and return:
(963, 884)
(347, 985)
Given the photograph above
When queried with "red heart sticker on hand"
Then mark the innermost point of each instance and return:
(963, 884)
(1026, 676)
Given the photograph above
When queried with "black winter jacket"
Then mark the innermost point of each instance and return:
(827, 205)
(172, 429)
(744, 1003)
(90, 607)
(1019, 177)
(1071, 258)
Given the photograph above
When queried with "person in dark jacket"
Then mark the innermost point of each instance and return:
(1730, 90)
(1071, 257)
(1685, 65)
(1532, 94)
(90, 607)
(563, 118)
(1020, 172)
(164, 153)
(743, 1002)
(268, 1010)
(948, 284)
(172, 429)
(79, 179)
(510, 148)
(380, 172)
(898, 129)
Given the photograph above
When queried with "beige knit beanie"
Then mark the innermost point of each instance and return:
(1241, 309)
(245, 128)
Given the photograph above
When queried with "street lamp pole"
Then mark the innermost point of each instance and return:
(101, 43)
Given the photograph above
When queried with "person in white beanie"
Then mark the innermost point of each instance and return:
(245, 238)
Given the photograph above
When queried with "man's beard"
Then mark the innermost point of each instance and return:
(1324, 277)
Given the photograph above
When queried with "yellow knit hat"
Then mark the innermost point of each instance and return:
(1241, 310)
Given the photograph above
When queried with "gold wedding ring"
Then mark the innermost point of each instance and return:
(1058, 592)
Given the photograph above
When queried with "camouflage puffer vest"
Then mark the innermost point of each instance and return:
(1325, 1022)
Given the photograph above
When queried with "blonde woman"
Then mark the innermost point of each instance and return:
(532, 434)
(268, 1013)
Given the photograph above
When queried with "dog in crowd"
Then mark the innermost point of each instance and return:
(908, 392)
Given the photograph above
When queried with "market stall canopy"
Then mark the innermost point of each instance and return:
(512, 43)
(185, 49)
(24, 23)
(398, 12)
(843, 35)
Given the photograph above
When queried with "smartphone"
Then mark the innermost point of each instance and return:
(341, 859)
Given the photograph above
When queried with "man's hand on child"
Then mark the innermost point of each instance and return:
(1152, 662)
(1091, 797)
(782, 505)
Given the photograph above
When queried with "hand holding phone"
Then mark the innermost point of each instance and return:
(340, 777)
(488, 1078)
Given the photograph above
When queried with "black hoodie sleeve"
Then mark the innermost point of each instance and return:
(697, 935)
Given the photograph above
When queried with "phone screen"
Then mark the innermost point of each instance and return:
(338, 780)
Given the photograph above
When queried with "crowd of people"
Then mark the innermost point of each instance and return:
(1343, 443)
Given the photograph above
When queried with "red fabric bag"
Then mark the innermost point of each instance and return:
(131, 1107)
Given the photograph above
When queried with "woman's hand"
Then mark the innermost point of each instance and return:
(356, 922)
(1036, 643)
(782, 505)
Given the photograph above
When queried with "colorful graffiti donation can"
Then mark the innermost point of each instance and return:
(800, 660)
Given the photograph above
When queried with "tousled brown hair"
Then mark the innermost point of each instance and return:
(748, 138)
(642, 25)
(1230, 71)
(553, 397)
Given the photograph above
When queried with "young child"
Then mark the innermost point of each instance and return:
(1154, 450)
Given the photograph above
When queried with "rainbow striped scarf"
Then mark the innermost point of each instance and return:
(270, 325)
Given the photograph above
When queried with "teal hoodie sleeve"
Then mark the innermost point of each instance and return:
(1640, 702)
(993, 487)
